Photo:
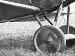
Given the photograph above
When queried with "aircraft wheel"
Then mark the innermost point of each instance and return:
(70, 38)
(49, 39)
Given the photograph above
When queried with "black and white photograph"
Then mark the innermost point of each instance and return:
(37, 27)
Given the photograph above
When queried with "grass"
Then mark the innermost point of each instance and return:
(22, 47)
(15, 47)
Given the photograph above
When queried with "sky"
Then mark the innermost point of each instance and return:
(72, 8)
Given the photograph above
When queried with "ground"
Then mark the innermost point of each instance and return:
(16, 38)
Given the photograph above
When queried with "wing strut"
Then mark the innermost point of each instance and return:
(38, 20)
(47, 18)
(68, 15)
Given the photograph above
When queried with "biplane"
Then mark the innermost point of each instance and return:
(50, 38)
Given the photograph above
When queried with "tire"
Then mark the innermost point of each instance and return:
(71, 29)
(69, 41)
(49, 39)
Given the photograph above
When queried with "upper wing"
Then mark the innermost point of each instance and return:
(11, 9)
